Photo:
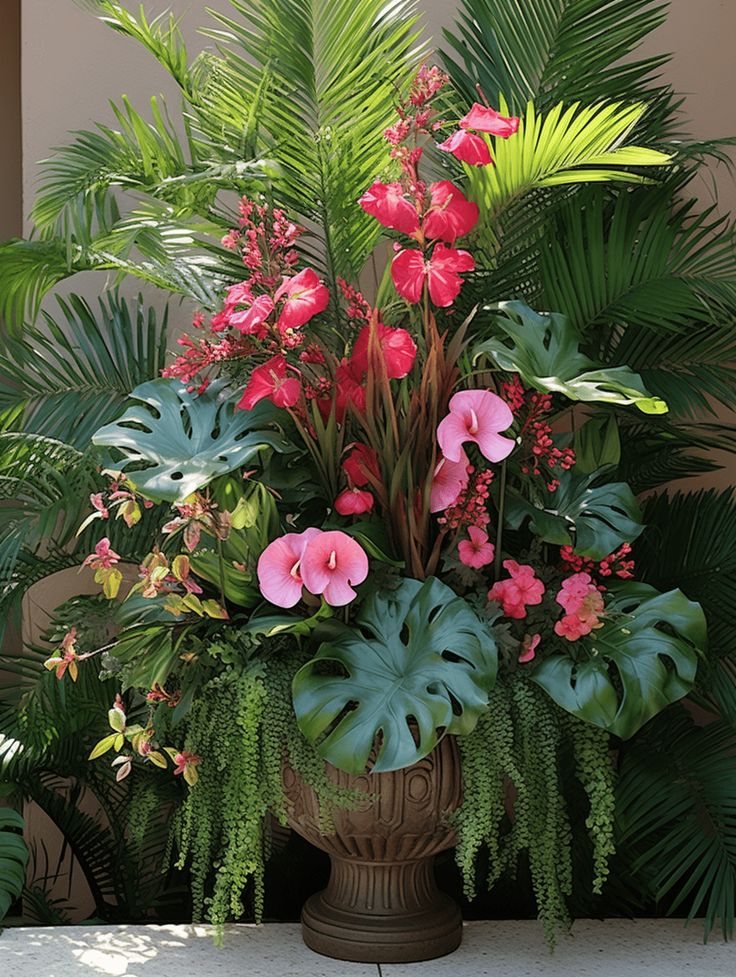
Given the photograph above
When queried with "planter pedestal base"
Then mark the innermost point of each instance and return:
(378, 913)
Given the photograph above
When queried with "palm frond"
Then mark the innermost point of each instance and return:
(700, 558)
(676, 810)
(66, 379)
(331, 70)
(556, 50)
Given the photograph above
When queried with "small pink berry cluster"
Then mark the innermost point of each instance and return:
(521, 589)
(265, 239)
(358, 307)
(202, 355)
(544, 457)
(416, 118)
(471, 506)
(615, 563)
(582, 602)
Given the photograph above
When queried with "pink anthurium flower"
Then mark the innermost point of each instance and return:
(476, 551)
(477, 416)
(450, 479)
(306, 297)
(250, 321)
(387, 203)
(270, 380)
(332, 562)
(485, 119)
(239, 294)
(354, 502)
(279, 568)
(398, 348)
(467, 147)
(410, 269)
(451, 215)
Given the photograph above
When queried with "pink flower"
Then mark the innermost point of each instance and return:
(529, 646)
(398, 348)
(451, 215)
(239, 294)
(187, 764)
(250, 321)
(98, 503)
(449, 481)
(387, 203)
(354, 502)
(270, 380)
(468, 148)
(103, 557)
(279, 568)
(349, 390)
(476, 552)
(331, 563)
(515, 594)
(410, 269)
(361, 463)
(477, 416)
(306, 297)
(571, 627)
(484, 119)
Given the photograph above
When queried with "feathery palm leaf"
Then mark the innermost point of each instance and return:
(676, 810)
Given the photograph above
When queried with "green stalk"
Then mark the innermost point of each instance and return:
(499, 528)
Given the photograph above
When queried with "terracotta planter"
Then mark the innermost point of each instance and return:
(382, 904)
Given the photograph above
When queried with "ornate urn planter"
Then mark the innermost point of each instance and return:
(382, 904)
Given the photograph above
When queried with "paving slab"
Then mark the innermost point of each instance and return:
(613, 948)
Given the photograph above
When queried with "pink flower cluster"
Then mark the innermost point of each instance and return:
(265, 239)
(520, 590)
(536, 433)
(324, 563)
(583, 604)
(615, 563)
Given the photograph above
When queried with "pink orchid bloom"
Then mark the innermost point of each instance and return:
(449, 480)
(398, 348)
(477, 416)
(306, 297)
(529, 647)
(279, 568)
(103, 557)
(387, 203)
(451, 215)
(187, 764)
(98, 503)
(360, 465)
(410, 269)
(484, 119)
(270, 380)
(251, 321)
(67, 657)
(331, 563)
(516, 593)
(354, 502)
(468, 148)
(476, 551)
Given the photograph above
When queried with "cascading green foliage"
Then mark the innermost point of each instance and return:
(515, 801)
(243, 728)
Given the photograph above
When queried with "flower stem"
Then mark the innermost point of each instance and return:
(499, 527)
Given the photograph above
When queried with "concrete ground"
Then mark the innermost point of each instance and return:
(616, 948)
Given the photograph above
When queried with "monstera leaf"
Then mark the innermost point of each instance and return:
(544, 351)
(642, 659)
(418, 655)
(593, 519)
(175, 442)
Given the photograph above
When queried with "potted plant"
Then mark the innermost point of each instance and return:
(393, 576)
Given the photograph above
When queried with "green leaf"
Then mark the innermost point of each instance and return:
(269, 625)
(544, 350)
(595, 520)
(643, 658)
(418, 655)
(178, 442)
(13, 859)
(597, 444)
(104, 745)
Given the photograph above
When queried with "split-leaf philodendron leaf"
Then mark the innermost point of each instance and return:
(595, 520)
(418, 664)
(175, 442)
(544, 350)
(643, 658)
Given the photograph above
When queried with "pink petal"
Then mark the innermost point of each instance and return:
(387, 203)
(408, 272)
(468, 148)
(350, 566)
(306, 297)
(452, 433)
(450, 479)
(444, 281)
(484, 119)
(451, 214)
